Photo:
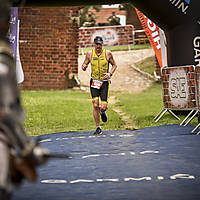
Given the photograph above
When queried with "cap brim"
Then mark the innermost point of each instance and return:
(98, 42)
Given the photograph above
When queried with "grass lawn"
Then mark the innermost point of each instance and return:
(147, 65)
(64, 111)
(49, 111)
(59, 111)
(143, 107)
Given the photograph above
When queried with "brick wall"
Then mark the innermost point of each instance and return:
(48, 46)
(198, 85)
(112, 35)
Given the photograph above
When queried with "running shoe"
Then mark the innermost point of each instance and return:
(103, 116)
(98, 131)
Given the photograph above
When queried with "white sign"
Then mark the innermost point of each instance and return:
(178, 87)
(109, 36)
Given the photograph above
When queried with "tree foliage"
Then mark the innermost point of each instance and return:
(84, 12)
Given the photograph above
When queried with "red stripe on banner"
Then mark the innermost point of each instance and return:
(152, 32)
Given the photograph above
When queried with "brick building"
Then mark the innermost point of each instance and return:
(105, 13)
(129, 13)
(49, 42)
(48, 46)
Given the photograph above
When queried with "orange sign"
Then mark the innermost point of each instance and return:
(152, 32)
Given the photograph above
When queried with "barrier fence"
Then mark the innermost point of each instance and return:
(112, 35)
(181, 91)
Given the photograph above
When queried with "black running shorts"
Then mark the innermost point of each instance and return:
(102, 92)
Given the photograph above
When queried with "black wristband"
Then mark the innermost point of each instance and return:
(110, 74)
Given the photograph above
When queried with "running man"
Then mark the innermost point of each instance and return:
(100, 59)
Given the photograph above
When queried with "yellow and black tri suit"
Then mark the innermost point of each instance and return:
(99, 66)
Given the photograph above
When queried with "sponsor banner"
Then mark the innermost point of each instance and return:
(109, 36)
(196, 45)
(19, 70)
(179, 88)
(12, 32)
(163, 42)
(13, 36)
(187, 1)
(153, 34)
(112, 35)
(181, 5)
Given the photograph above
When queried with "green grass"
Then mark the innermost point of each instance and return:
(69, 110)
(58, 111)
(147, 65)
(119, 48)
(65, 111)
(144, 106)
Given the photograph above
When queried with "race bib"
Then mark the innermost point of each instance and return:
(96, 84)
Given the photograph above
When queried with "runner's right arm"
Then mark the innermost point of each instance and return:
(86, 61)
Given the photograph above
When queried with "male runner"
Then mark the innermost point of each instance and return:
(100, 79)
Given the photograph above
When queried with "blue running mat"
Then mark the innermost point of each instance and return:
(156, 163)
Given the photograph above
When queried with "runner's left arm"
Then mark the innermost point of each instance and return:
(113, 69)
(113, 63)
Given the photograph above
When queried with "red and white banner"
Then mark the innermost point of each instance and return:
(153, 33)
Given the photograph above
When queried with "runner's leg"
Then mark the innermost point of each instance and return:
(104, 95)
(95, 100)
(96, 112)
(104, 106)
